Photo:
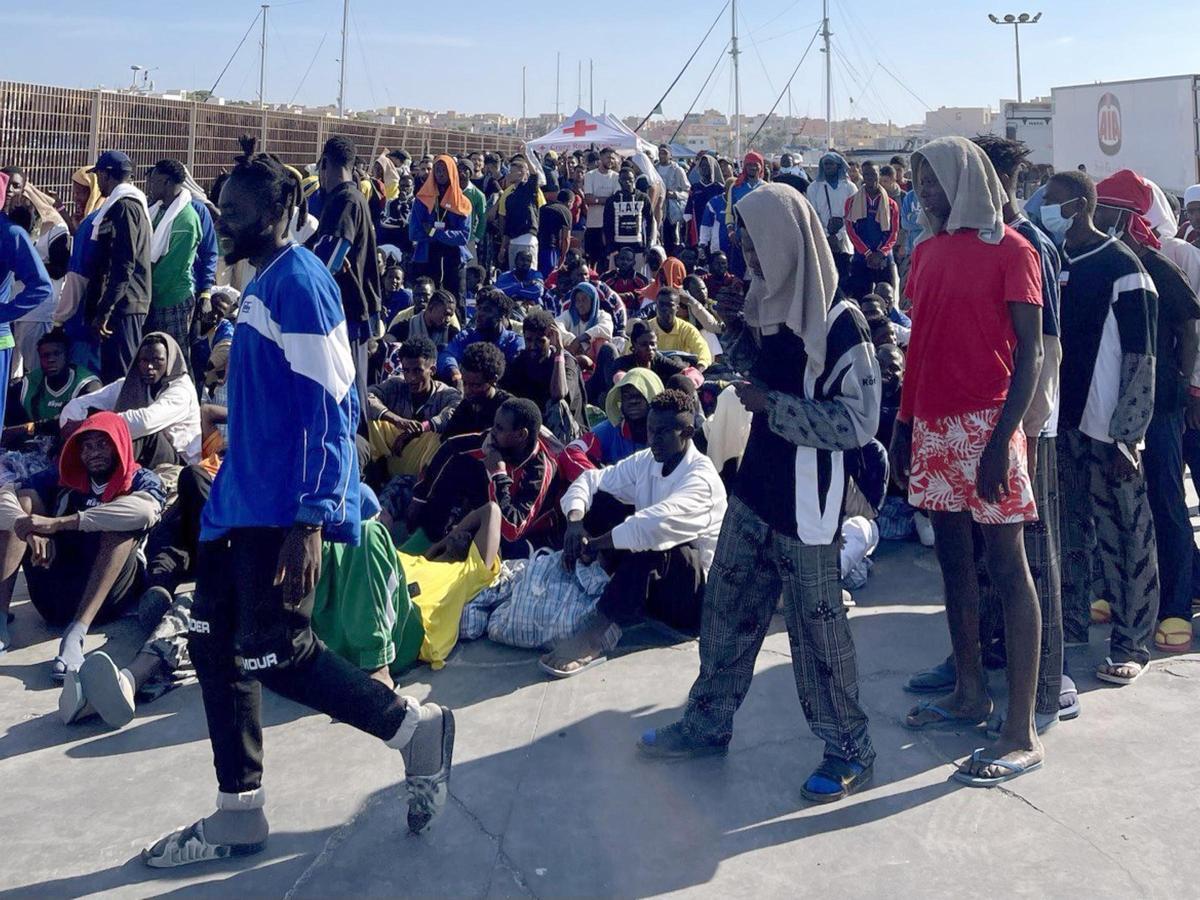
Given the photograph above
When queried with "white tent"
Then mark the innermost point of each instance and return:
(581, 130)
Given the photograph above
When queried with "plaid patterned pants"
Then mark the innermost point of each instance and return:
(754, 563)
(1045, 565)
(1109, 518)
(175, 321)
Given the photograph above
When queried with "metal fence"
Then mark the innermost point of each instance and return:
(51, 131)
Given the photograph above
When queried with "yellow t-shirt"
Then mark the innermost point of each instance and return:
(502, 203)
(440, 590)
(684, 338)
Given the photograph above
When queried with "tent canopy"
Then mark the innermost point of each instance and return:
(581, 130)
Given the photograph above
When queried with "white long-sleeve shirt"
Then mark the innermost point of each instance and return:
(830, 203)
(175, 411)
(686, 506)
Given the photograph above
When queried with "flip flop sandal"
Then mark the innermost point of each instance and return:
(1015, 770)
(1042, 722)
(188, 845)
(570, 673)
(947, 721)
(1101, 612)
(1173, 635)
(938, 680)
(1071, 710)
(1112, 678)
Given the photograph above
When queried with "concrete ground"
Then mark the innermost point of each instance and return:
(549, 798)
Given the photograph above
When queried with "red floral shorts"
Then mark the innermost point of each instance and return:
(945, 461)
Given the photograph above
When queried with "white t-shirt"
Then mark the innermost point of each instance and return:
(830, 203)
(45, 311)
(601, 185)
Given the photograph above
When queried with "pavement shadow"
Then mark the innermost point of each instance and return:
(172, 720)
(284, 858)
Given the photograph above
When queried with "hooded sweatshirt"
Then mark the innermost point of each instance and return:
(132, 498)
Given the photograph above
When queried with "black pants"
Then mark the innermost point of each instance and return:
(445, 267)
(119, 350)
(242, 633)
(670, 236)
(842, 261)
(667, 585)
(862, 278)
(56, 591)
(175, 540)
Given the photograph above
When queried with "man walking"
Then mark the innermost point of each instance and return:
(290, 398)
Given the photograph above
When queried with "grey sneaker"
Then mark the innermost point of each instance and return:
(427, 760)
(108, 689)
(72, 704)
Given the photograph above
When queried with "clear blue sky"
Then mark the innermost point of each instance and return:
(469, 56)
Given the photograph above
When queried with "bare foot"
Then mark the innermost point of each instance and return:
(384, 677)
(975, 709)
(1006, 750)
(573, 654)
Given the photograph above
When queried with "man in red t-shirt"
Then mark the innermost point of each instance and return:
(973, 363)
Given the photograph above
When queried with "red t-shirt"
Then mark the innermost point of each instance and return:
(960, 355)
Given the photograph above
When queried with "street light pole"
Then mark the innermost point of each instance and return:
(1016, 21)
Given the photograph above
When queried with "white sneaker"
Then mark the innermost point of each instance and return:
(924, 529)
(108, 689)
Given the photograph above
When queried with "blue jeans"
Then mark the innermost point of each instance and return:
(1163, 459)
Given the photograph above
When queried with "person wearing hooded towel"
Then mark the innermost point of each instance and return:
(1190, 229)
(813, 390)
(829, 195)
(156, 399)
(973, 363)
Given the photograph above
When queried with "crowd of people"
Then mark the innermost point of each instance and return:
(311, 424)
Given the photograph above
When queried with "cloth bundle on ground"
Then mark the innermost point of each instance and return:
(539, 604)
(440, 590)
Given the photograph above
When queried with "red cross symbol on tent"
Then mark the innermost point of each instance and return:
(580, 128)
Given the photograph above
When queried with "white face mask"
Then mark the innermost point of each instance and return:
(1054, 221)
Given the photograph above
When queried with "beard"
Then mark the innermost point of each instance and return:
(235, 248)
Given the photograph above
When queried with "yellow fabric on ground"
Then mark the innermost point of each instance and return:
(440, 590)
(416, 453)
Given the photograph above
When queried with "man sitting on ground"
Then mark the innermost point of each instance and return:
(545, 373)
(522, 283)
(507, 465)
(46, 390)
(622, 433)
(156, 399)
(664, 506)
(78, 529)
(482, 368)
(408, 412)
(625, 281)
(491, 324)
(676, 335)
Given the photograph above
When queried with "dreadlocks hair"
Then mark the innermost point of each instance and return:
(1006, 154)
(269, 175)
